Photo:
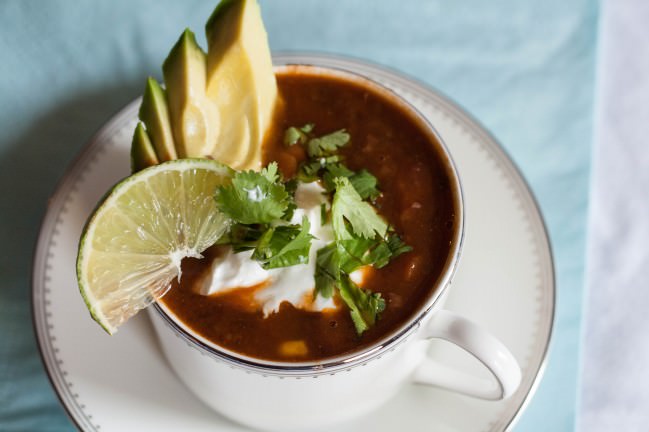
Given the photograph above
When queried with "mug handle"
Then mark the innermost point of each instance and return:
(482, 345)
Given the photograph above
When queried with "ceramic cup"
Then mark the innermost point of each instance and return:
(282, 396)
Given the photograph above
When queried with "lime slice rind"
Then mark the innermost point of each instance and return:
(130, 249)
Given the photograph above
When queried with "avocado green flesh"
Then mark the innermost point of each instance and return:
(194, 118)
(155, 116)
(142, 152)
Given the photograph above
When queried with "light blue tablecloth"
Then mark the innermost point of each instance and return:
(524, 68)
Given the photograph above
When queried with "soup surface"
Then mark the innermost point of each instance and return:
(417, 200)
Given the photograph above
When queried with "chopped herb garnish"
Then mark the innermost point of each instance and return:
(323, 213)
(271, 172)
(324, 164)
(332, 171)
(327, 270)
(291, 187)
(295, 135)
(319, 169)
(348, 206)
(365, 184)
(242, 237)
(327, 144)
(338, 259)
(364, 305)
(362, 237)
(359, 252)
(262, 206)
(396, 246)
(284, 246)
(254, 197)
(336, 169)
(378, 252)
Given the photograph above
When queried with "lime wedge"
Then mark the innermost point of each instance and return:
(131, 248)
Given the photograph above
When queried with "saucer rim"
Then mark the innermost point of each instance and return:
(116, 121)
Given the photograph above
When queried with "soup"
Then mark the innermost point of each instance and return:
(417, 199)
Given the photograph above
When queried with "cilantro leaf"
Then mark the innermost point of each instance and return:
(348, 206)
(365, 184)
(309, 171)
(364, 305)
(333, 171)
(324, 164)
(291, 187)
(253, 197)
(314, 169)
(295, 135)
(327, 270)
(358, 252)
(327, 144)
(396, 246)
(284, 246)
(337, 169)
(324, 213)
(378, 252)
(270, 172)
(341, 257)
(242, 237)
(338, 259)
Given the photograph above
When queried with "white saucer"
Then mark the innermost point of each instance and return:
(505, 282)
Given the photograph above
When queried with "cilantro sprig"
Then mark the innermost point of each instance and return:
(327, 144)
(284, 246)
(298, 135)
(364, 305)
(260, 205)
(325, 164)
(361, 236)
(254, 197)
(348, 206)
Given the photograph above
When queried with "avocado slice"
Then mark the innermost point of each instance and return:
(155, 116)
(142, 152)
(194, 117)
(240, 81)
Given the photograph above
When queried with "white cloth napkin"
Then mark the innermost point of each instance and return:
(615, 354)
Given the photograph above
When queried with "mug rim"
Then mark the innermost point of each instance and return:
(393, 338)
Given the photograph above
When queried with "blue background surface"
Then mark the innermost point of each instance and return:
(525, 69)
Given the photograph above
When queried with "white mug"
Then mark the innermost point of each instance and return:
(283, 396)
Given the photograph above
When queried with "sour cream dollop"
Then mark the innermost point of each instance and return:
(294, 284)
